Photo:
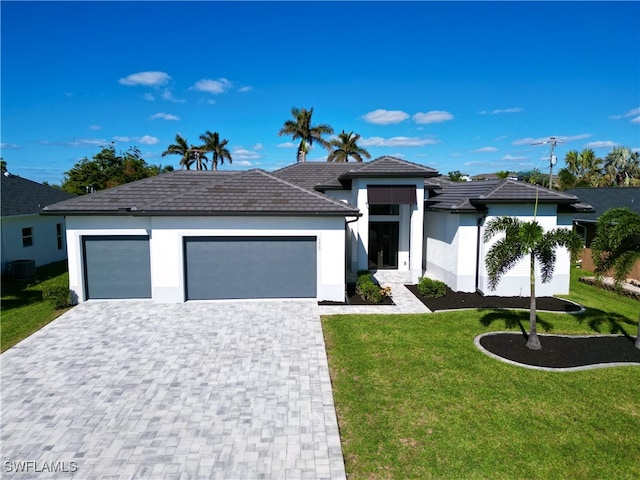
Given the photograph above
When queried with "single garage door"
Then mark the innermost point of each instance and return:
(250, 267)
(117, 266)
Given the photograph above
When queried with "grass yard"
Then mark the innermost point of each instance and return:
(23, 310)
(417, 400)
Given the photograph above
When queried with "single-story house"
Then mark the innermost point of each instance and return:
(26, 235)
(297, 232)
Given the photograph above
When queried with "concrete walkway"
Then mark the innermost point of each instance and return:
(404, 300)
(132, 389)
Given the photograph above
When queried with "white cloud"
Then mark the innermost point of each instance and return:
(122, 139)
(435, 116)
(245, 89)
(244, 163)
(258, 146)
(148, 140)
(9, 146)
(168, 95)
(286, 145)
(164, 116)
(95, 127)
(147, 79)
(602, 144)
(499, 111)
(514, 158)
(385, 117)
(634, 112)
(484, 150)
(529, 140)
(149, 96)
(212, 86)
(397, 142)
(241, 153)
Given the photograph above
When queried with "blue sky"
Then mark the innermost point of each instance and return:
(452, 85)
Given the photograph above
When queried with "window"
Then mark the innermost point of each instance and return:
(27, 237)
(384, 209)
(59, 235)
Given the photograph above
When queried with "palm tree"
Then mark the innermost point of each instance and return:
(217, 148)
(182, 148)
(300, 128)
(522, 239)
(617, 246)
(623, 166)
(585, 166)
(345, 146)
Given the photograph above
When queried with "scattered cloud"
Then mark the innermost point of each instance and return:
(286, 145)
(634, 112)
(499, 111)
(434, 116)
(220, 85)
(602, 144)
(122, 139)
(484, 150)
(168, 95)
(95, 127)
(9, 146)
(397, 142)
(385, 117)
(148, 140)
(245, 89)
(570, 138)
(514, 158)
(163, 116)
(146, 79)
(149, 96)
(241, 153)
(258, 146)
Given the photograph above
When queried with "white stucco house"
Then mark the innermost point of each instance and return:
(299, 232)
(25, 234)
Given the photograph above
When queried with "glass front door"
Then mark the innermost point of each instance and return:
(383, 245)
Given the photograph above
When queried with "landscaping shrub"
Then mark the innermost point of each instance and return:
(369, 290)
(57, 295)
(431, 288)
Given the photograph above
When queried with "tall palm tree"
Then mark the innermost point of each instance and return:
(217, 147)
(522, 239)
(617, 246)
(300, 128)
(182, 148)
(623, 166)
(345, 146)
(585, 166)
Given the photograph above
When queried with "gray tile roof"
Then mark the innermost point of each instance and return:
(603, 199)
(323, 176)
(183, 192)
(471, 196)
(25, 197)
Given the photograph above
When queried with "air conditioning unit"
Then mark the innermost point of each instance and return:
(22, 269)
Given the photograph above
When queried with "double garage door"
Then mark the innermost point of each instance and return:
(215, 267)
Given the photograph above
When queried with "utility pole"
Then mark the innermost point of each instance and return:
(552, 157)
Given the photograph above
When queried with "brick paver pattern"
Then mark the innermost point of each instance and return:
(136, 389)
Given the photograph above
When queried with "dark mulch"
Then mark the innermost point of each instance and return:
(563, 352)
(456, 300)
(352, 298)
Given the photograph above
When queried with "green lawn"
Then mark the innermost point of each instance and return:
(23, 311)
(417, 400)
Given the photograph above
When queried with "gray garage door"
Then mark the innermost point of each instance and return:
(117, 266)
(250, 267)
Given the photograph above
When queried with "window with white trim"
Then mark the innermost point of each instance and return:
(27, 237)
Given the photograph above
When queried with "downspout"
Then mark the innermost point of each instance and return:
(478, 239)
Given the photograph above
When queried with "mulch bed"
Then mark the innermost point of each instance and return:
(352, 298)
(456, 300)
(563, 351)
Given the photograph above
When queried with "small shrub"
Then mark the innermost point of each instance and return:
(57, 295)
(362, 273)
(431, 288)
(369, 290)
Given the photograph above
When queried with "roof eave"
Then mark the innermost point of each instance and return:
(191, 213)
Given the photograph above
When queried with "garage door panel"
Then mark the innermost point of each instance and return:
(117, 267)
(250, 267)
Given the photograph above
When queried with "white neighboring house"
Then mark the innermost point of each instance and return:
(26, 235)
(300, 232)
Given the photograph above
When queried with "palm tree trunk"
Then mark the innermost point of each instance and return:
(533, 342)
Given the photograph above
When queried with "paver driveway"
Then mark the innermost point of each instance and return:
(197, 390)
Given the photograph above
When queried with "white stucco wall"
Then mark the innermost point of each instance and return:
(452, 252)
(451, 249)
(45, 241)
(166, 246)
(516, 282)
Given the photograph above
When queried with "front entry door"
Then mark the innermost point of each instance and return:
(383, 245)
